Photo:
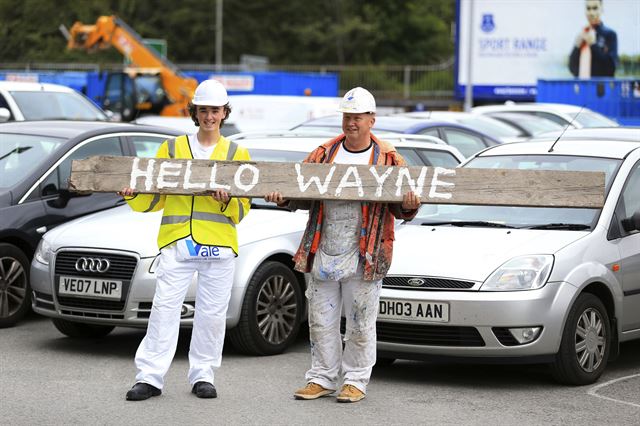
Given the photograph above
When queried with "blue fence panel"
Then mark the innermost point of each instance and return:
(615, 98)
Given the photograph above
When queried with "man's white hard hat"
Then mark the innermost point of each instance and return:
(357, 100)
(210, 93)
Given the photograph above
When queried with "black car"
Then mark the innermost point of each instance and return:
(35, 163)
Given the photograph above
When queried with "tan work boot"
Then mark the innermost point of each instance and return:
(350, 393)
(311, 391)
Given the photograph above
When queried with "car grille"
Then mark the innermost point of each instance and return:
(122, 267)
(43, 300)
(431, 335)
(425, 283)
(424, 334)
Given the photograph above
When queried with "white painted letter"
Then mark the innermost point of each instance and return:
(357, 183)
(165, 171)
(314, 179)
(254, 181)
(212, 181)
(136, 173)
(416, 187)
(187, 177)
(380, 179)
(435, 182)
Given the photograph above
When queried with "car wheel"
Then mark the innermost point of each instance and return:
(15, 295)
(81, 331)
(586, 343)
(271, 311)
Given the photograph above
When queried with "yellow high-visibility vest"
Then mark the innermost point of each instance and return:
(208, 221)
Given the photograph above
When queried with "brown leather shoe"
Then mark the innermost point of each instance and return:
(311, 391)
(350, 393)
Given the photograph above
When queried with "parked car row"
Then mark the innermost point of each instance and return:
(553, 285)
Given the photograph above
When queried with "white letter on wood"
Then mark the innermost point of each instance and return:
(165, 171)
(136, 173)
(322, 189)
(187, 178)
(435, 182)
(416, 187)
(356, 183)
(380, 179)
(212, 181)
(254, 181)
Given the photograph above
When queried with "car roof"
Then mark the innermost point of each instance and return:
(69, 129)
(307, 141)
(627, 133)
(24, 86)
(396, 123)
(532, 106)
(571, 146)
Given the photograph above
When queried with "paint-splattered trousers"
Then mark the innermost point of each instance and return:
(329, 361)
(158, 347)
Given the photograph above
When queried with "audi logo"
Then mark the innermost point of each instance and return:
(92, 264)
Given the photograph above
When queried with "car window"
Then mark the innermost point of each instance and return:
(433, 131)
(45, 105)
(57, 179)
(436, 158)
(20, 155)
(561, 121)
(277, 155)
(4, 104)
(630, 199)
(411, 157)
(466, 143)
(592, 119)
(146, 146)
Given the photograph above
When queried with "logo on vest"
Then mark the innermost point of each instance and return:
(198, 251)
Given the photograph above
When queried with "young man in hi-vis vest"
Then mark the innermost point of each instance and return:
(197, 234)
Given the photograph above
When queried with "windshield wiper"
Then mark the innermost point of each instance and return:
(567, 226)
(478, 223)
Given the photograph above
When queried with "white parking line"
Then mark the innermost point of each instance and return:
(593, 391)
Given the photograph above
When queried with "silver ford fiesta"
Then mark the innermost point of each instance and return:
(531, 284)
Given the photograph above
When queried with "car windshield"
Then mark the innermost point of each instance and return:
(490, 127)
(44, 105)
(593, 119)
(522, 217)
(21, 154)
(271, 155)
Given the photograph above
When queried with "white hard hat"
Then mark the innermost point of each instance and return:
(357, 100)
(211, 93)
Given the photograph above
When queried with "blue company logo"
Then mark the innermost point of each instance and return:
(200, 250)
(487, 23)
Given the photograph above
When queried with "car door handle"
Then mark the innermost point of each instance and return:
(41, 230)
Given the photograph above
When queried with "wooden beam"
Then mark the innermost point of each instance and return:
(340, 181)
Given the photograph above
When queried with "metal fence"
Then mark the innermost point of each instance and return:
(395, 84)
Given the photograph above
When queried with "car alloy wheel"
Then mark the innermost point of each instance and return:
(586, 342)
(590, 340)
(15, 298)
(271, 311)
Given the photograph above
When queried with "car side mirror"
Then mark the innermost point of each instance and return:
(632, 223)
(5, 115)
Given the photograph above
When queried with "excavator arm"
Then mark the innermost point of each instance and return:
(111, 31)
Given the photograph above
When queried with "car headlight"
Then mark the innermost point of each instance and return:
(520, 273)
(43, 252)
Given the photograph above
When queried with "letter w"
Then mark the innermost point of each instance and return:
(314, 179)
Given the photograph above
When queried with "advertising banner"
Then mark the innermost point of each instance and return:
(516, 42)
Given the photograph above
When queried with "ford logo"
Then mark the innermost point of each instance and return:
(92, 264)
(415, 282)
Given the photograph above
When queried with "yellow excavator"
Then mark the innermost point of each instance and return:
(152, 85)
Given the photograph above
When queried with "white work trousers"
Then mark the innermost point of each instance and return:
(157, 349)
(328, 359)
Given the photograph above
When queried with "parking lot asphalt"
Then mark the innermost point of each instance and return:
(46, 378)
